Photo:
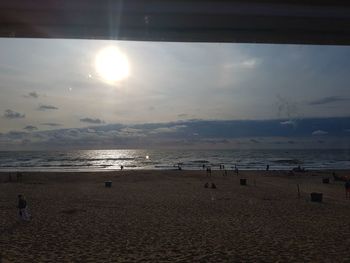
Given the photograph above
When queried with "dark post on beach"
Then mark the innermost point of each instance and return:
(298, 191)
(347, 189)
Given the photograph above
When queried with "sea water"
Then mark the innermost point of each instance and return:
(96, 160)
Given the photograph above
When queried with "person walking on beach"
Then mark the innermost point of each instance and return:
(208, 171)
(347, 189)
(23, 208)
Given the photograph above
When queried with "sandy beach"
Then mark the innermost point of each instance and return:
(168, 216)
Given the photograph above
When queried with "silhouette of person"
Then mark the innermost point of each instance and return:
(208, 171)
(23, 208)
(347, 189)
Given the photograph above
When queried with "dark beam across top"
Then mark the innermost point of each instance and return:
(284, 21)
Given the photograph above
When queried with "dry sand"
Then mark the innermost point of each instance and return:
(168, 216)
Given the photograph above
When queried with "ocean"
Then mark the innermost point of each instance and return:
(102, 160)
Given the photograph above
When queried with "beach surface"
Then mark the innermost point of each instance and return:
(169, 216)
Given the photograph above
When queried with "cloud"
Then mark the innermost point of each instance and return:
(182, 115)
(319, 132)
(10, 114)
(47, 107)
(197, 133)
(89, 130)
(52, 124)
(250, 63)
(73, 132)
(327, 100)
(32, 95)
(289, 122)
(16, 134)
(92, 121)
(170, 129)
(215, 141)
(30, 128)
(130, 132)
(254, 141)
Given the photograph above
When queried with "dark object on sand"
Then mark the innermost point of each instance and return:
(108, 184)
(206, 185)
(267, 167)
(347, 189)
(337, 178)
(340, 178)
(325, 180)
(316, 197)
(299, 169)
(19, 178)
(22, 203)
(213, 186)
(243, 181)
(298, 187)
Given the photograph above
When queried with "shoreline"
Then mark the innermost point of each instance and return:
(18, 176)
(158, 169)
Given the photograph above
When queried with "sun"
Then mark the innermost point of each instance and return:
(112, 65)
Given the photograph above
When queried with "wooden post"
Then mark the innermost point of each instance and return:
(298, 191)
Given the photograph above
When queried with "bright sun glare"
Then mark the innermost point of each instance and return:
(112, 65)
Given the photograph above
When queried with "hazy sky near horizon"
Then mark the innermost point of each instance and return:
(51, 84)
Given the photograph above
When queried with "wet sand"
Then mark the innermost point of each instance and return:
(168, 216)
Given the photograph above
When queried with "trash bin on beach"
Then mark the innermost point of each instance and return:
(325, 180)
(316, 197)
(108, 184)
(243, 181)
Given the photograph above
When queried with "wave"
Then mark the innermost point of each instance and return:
(199, 161)
(288, 161)
(87, 159)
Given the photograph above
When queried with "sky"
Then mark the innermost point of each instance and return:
(200, 95)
